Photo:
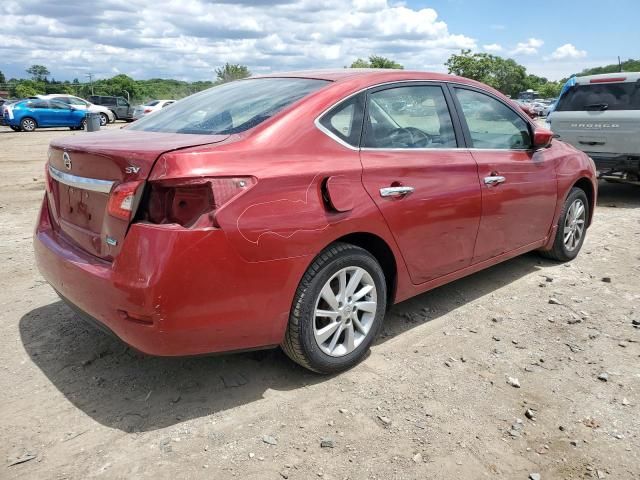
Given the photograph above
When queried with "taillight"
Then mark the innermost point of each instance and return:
(121, 199)
(191, 203)
(147, 110)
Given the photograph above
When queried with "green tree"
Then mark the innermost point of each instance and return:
(38, 73)
(2, 78)
(27, 88)
(230, 72)
(502, 74)
(630, 65)
(550, 89)
(376, 61)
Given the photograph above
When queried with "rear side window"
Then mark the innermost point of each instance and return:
(37, 104)
(601, 96)
(108, 100)
(492, 125)
(230, 108)
(345, 120)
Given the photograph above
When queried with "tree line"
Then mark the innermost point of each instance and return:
(504, 74)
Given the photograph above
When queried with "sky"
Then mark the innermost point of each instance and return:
(188, 39)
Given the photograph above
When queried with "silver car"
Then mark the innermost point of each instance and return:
(600, 115)
(106, 115)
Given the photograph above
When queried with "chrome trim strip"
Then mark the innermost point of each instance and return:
(84, 183)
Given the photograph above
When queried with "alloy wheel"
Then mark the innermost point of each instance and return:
(574, 225)
(345, 311)
(28, 125)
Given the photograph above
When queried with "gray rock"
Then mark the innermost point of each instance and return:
(635, 322)
(554, 301)
(513, 382)
(384, 420)
(604, 376)
(232, 380)
(417, 457)
(606, 279)
(270, 440)
(327, 443)
(529, 414)
(534, 476)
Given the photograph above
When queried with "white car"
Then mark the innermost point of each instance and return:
(106, 115)
(150, 107)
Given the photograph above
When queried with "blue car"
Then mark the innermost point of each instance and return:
(27, 115)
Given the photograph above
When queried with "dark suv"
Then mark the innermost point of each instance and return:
(120, 107)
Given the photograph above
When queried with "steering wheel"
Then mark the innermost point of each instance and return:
(410, 137)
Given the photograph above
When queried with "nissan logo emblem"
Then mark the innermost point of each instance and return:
(67, 160)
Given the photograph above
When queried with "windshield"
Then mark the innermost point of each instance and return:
(230, 108)
(612, 96)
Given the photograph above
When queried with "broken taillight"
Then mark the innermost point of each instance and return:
(193, 202)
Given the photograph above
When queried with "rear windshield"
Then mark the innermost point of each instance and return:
(152, 104)
(230, 108)
(605, 96)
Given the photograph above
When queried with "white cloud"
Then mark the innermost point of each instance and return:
(493, 47)
(189, 39)
(568, 51)
(530, 47)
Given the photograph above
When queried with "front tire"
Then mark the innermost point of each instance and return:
(572, 227)
(337, 310)
(28, 124)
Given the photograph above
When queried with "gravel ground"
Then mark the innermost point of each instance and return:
(434, 399)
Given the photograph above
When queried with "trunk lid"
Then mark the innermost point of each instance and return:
(85, 168)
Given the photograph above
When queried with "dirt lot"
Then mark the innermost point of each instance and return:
(431, 401)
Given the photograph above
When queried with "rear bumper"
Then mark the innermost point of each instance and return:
(608, 162)
(173, 291)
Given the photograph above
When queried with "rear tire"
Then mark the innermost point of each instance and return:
(104, 119)
(337, 310)
(572, 227)
(28, 124)
(14, 128)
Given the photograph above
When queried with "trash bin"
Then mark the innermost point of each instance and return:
(93, 122)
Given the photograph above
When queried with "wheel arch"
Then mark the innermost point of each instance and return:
(586, 186)
(382, 252)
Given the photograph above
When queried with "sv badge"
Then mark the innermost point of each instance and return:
(131, 169)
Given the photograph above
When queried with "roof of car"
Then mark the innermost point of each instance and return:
(373, 74)
(610, 77)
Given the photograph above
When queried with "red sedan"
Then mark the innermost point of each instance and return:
(294, 209)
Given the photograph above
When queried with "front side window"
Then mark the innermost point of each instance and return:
(230, 108)
(122, 102)
(76, 101)
(58, 105)
(491, 123)
(345, 120)
(409, 117)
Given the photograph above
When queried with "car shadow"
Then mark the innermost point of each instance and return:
(123, 389)
(618, 195)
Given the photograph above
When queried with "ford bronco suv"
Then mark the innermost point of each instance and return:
(600, 115)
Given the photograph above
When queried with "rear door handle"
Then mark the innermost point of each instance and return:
(395, 191)
(494, 180)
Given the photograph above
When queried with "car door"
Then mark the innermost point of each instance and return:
(421, 178)
(59, 113)
(519, 186)
(122, 108)
(40, 111)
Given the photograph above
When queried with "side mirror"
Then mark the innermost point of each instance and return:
(542, 138)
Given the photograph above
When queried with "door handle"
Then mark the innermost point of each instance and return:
(395, 191)
(494, 180)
